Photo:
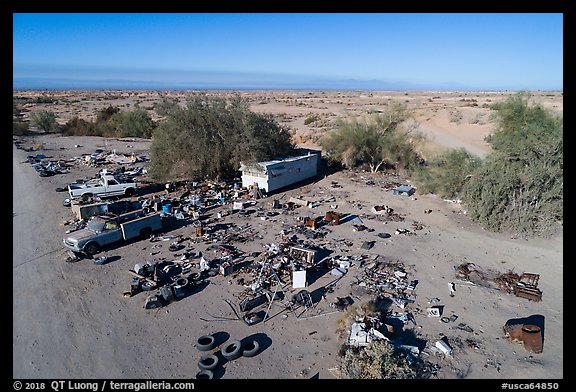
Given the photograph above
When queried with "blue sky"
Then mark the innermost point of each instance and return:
(428, 51)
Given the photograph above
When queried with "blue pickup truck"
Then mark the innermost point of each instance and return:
(102, 230)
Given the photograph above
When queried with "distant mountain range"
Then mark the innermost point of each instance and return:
(251, 83)
(255, 84)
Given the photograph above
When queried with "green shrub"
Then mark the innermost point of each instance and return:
(446, 173)
(376, 361)
(520, 187)
(380, 141)
(311, 118)
(45, 120)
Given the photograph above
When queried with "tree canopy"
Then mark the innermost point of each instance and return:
(210, 136)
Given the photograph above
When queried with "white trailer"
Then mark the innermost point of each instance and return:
(272, 175)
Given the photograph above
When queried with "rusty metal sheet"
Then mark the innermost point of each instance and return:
(530, 335)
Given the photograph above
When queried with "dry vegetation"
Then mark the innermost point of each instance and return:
(464, 116)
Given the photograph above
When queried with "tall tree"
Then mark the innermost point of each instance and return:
(210, 136)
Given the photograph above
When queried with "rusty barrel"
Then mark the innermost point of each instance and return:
(532, 337)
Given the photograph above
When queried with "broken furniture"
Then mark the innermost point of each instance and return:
(527, 287)
(304, 255)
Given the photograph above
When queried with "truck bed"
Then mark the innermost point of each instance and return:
(132, 228)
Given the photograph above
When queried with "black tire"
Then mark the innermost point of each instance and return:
(91, 248)
(86, 196)
(208, 362)
(181, 283)
(205, 343)
(147, 286)
(195, 276)
(251, 349)
(130, 192)
(232, 350)
(145, 233)
(204, 375)
(175, 247)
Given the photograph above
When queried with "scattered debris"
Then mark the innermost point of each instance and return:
(443, 346)
(360, 335)
(452, 288)
(404, 190)
(523, 286)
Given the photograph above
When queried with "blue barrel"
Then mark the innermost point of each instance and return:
(166, 208)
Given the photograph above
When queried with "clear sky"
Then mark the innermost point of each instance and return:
(379, 51)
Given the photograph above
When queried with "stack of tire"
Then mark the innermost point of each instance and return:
(230, 351)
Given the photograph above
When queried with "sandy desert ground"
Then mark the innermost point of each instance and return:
(70, 320)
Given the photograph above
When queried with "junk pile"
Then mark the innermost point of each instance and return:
(386, 279)
(103, 157)
(171, 280)
(46, 167)
(523, 286)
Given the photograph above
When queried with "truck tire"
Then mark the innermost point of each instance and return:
(145, 233)
(251, 349)
(232, 350)
(208, 362)
(181, 283)
(129, 192)
(86, 196)
(204, 375)
(205, 343)
(91, 248)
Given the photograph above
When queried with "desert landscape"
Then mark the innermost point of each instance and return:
(71, 319)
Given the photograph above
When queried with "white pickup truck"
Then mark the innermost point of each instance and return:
(105, 186)
(103, 230)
